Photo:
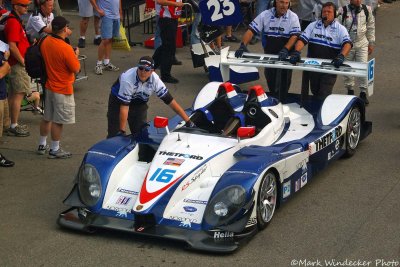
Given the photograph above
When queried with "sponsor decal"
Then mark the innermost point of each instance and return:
(328, 138)
(123, 200)
(195, 177)
(126, 191)
(180, 155)
(286, 189)
(174, 162)
(332, 153)
(189, 209)
(165, 176)
(139, 207)
(117, 209)
(302, 163)
(303, 180)
(140, 229)
(251, 221)
(122, 213)
(312, 62)
(185, 223)
(182, 219)
(297, 185)
(223, 235)
(82, 212)
(195, 201)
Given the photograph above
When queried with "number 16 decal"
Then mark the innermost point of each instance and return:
(162, 175)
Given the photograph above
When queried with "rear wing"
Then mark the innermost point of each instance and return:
(350, 68)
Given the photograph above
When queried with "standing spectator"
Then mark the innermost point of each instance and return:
(360, 23)
(85, 12)
(130, 94)
(229, 37)
(61, 68)
(57, 9)
(20, 82)
(4, 70)
(168, 11)
(39, 23)
(326, 38)
(110, 12)
(280, 28)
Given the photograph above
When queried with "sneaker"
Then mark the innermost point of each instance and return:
(42, 149)
(364, 98)
(81, 43)
(232, 39)
(97, 41)
(110, 67)
(38, 111)
(98, 69)
(169, 79)
(59, 154)
(350, 92)
(18, 131)
(5, 162)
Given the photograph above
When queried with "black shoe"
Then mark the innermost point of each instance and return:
(5, 162)
(169, 79)
(364, 98)
(81, 43)
(350, 92)
(176, 62)
(97, 41)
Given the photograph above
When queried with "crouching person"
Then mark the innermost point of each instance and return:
(61, 68)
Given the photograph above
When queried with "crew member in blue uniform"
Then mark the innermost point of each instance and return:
(328, 39)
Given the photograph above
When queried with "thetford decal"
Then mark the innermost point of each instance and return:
(328, 138)
(180, 155)
(195, 177)
(174, 162)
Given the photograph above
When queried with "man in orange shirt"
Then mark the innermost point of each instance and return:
(61, 68)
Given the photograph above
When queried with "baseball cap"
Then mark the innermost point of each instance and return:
(59, 23)
(146, 61)
(22, 2)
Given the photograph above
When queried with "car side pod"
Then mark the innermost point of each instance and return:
(246, 132)
(161, 122)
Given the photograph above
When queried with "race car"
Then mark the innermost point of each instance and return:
(217, 183)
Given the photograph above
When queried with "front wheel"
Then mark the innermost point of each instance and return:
(266, 200)
(353, 132)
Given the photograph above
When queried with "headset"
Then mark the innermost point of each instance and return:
(274, 3)
(334, 8)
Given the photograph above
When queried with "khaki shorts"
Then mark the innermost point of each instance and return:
(59, 108)
(20, 82)
(4, 116)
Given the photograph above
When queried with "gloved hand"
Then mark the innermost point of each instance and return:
(283, 54)
(190, 124)
(241, 50)
(338, 61)
(295, 57)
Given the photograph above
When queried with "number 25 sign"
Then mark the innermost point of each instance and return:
(220, 12)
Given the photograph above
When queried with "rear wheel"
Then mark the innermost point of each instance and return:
(266, 200)
(353, 131)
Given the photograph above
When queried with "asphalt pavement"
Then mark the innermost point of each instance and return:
(348, 216)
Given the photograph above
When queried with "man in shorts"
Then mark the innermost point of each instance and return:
(110, 12)
(20, 82)
(86, 12)
(60, 103)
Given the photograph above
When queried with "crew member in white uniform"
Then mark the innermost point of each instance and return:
(39, 23)
(328, 39)
(279, 28)
(130, 94)
(360, 23)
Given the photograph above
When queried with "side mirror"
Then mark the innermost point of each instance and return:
(161, 122)
(246, 132)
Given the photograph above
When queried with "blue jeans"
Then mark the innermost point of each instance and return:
(157, 36)
(194, 35)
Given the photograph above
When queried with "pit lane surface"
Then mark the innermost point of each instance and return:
(350, 212)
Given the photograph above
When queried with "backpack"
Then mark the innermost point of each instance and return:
(3, 21)
(34, 63)
(364, 7)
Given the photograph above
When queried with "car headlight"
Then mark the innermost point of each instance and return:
(89, 185)
(225, 205)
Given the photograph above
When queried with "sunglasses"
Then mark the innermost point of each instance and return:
(22, 5)
(145, 68)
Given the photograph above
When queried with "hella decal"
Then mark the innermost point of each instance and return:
(328, 138)
(180, 155)
(223, 235)
(189, 209)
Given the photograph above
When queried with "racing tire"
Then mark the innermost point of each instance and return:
(353, 132)
(267, 200)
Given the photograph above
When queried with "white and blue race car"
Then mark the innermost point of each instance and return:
(216, 184)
